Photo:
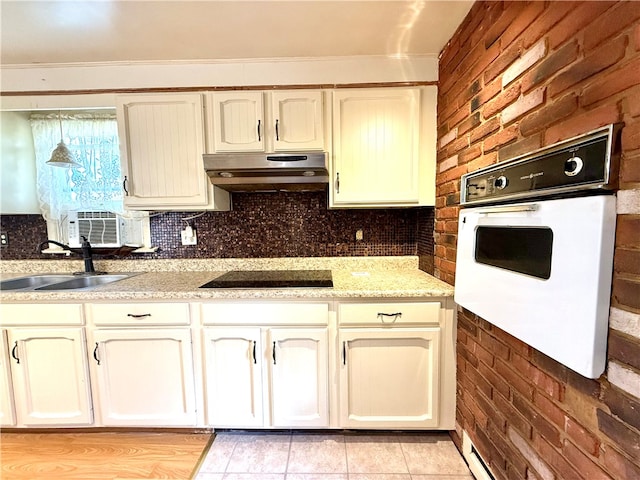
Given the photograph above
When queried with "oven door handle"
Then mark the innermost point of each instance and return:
(529, 207)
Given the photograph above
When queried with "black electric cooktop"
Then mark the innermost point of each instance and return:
(272, 279)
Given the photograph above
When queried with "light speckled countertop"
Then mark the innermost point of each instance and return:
(383, 277)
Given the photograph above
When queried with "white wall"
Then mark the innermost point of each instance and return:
(17, 165)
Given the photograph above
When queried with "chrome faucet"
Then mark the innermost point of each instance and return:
(85, 250)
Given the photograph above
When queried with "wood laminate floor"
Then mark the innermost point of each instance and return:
(100, 456)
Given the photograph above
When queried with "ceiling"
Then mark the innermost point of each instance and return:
(62, 32)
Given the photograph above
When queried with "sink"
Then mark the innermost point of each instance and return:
(83, 282)
(53, 282)
(32, 281)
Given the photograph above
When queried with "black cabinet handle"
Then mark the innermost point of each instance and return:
(344, 353)
(277, 133)
(337, 182)
(255, 360)
(142, 315)
(95, 354)
(14, 351)
(124, 186)
(259, 137)
(274, 353)
(395, 316)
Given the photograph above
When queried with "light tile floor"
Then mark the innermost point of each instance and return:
(309, 456)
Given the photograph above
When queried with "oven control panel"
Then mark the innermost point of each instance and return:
(586, 162)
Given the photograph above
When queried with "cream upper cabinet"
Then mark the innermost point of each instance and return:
(297, 120)
(161, 147)
(50, 376)
(383, 147)
(256, 121)
(237, 121)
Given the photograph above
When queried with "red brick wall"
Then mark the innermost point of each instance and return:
(517, 76)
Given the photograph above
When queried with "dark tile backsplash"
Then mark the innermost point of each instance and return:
(268, 225)
(425, 239)
(24, 232)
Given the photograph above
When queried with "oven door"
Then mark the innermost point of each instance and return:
(542, 271)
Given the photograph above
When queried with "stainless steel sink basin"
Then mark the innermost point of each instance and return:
(83, 282)
(32, 282)
(53, 282)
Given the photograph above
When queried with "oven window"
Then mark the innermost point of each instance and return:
(519, 249)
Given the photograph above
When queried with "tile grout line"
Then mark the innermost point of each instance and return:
(346, 455)
(404, 456)
(226, 467)
(286, 467)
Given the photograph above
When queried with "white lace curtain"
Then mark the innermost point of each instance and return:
(92, 138)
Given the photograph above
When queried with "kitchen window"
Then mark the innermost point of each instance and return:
(92, 138)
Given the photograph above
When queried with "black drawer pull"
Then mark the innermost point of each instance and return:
(142, 315)
(395, 316)
(274, 353)
(255, 360)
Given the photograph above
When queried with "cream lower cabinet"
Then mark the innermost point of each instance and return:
(389, 378)
(266, 376)
(7, 413)
(299, 382)
(144, 377)
(44, 364)
(50, 376)
(142, 364)
(234, 376)
(390, 365)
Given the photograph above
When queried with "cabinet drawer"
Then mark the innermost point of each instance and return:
(389, 313)
(41, 314)
(139, 313)
(265, 313)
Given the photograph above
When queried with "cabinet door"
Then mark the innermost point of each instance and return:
(376, 147)
(144, 377)
(7, 416)
(297, 122)
(389, 378)
(299, 376)
(161, 147)
(50, 376)
(238, 122)
(234, 359)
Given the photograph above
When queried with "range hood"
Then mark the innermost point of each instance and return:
(242, 172)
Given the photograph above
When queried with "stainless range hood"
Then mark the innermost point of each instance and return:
(242, 172)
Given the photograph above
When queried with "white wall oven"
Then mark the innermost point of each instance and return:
(535, 247)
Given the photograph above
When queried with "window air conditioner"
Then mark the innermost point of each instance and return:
(103, 229)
